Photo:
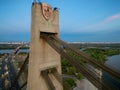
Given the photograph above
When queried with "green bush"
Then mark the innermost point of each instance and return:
(80, 76)
(23, 53)
(70, 82)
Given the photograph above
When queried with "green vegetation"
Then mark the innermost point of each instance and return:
(101, 54)
(112, 51)
(67, 68)
(23, 53)
(69, 84)
(79, 76)
(96, 53)
(97, 45)
(2, 54)
(11, 46)
(8, 46)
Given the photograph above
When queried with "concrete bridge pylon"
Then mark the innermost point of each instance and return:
(43, 57)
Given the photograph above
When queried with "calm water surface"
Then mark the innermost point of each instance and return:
(114, 63)
(10, 50)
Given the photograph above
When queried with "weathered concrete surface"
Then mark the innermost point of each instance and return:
(84, 84)
(42, 56)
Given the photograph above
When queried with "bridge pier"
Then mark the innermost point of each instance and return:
(42, 55)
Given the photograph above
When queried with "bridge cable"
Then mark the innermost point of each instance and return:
(89, 59)
(79, 67)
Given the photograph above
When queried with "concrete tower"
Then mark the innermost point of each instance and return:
(42, 55)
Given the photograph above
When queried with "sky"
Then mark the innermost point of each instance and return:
(80, 20)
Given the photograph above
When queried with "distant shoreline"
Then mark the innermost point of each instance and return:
(13, 48)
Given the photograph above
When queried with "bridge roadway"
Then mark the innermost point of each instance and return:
(7, 72)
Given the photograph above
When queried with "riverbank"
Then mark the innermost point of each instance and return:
(7, 51)
(113, 62)
(101, 54)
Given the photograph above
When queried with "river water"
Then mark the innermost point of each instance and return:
(10, 50)
(114, 63)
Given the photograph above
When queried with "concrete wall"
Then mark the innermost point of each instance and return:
(42, 55)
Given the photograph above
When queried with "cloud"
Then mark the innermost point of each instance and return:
(101, 25)
(113, 17)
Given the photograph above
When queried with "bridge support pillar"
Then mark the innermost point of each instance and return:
(42, 55)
